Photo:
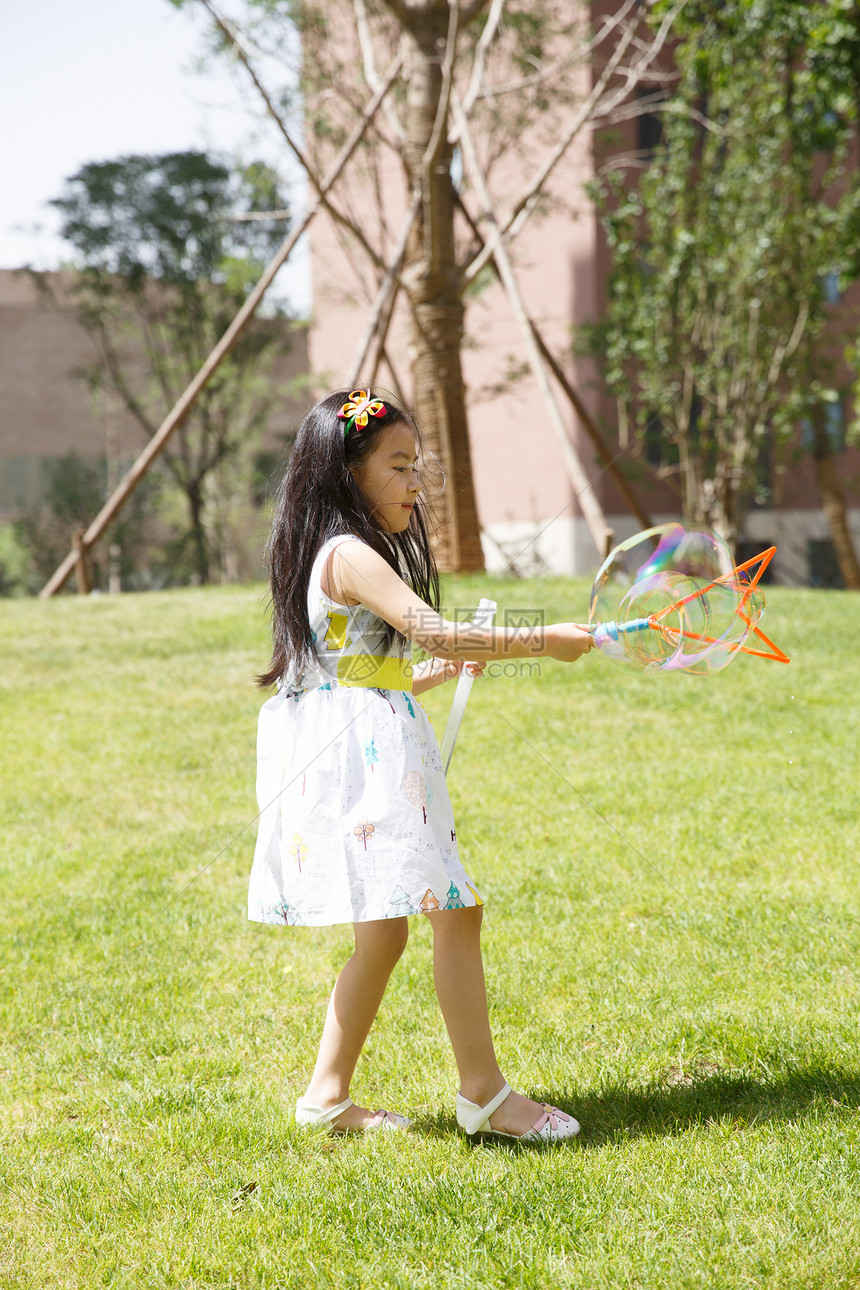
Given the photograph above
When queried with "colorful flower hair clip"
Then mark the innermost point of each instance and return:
(358, 407)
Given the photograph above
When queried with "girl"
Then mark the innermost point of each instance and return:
(355, 823)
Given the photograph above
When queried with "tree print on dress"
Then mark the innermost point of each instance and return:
(364, 830)
(430, 791)
(371, 756)
(408, 702)
(298, 850)
(416, 792)
(400, 905)
(454, 900)
(286, 913)
(428, 902)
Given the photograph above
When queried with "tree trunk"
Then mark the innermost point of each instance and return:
(833, 501)
(194, 493)
(434, 291)
(726, 508)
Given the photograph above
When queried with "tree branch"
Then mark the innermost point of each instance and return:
(527, 201)
(380, 314)
(511, 226)
(371, 75)
(300, 155)
(544, 75)
(471, 12)
(486, 39)
(438, 136)
(439, 131)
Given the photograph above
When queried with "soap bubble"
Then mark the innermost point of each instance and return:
(671, 598)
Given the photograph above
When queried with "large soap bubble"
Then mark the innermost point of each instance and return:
(671, 598)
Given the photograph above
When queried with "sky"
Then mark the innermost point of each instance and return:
(89, 80)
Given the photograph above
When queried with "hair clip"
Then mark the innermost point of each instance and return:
(357, 408)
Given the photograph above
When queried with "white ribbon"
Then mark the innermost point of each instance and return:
(484, 616)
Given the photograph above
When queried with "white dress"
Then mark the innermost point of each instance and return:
(355, 819)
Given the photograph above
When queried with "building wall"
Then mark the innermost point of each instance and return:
(46, 411)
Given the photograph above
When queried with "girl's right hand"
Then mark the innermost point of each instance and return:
(568, 641)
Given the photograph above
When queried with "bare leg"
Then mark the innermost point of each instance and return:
(458, 973)
(352, 1007)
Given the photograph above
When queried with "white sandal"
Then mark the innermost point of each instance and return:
(552, 1125)
(308, 1113)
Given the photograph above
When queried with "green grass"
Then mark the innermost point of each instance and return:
(671, 873)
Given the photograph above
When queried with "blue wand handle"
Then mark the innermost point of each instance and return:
(612, 631)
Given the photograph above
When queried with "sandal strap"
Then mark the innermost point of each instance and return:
(479, 1116)
(390, 1120)
(308, 1113)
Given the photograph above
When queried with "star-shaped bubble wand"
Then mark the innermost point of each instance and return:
(673, 598)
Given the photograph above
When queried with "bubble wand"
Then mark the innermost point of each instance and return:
(700, 630)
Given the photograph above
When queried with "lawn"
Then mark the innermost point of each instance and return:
(670, 867)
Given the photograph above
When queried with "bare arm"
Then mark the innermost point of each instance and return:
(359, 576)
(435, 671)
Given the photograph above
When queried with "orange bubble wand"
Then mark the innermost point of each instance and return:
(745, 586)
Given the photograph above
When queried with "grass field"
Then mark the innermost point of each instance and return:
(671, 872)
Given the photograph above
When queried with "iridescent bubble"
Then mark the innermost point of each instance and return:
(671, 599)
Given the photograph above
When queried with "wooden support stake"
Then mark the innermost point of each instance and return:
(185, 403)
(600, 447)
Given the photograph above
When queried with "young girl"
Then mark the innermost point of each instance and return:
(356, 824)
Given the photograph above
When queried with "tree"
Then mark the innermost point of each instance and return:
(415, 790)
(162, 265)
(514, 76)
(718, 316)
(75, 489)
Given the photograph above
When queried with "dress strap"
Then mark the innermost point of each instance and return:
(320, 558)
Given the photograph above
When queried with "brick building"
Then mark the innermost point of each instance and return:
(46, 411)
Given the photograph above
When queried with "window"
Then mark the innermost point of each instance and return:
(658, 449)
(758, 483)
(649, 125)
(830, 287)
(823, 564)
(745, 550)
(834, 426)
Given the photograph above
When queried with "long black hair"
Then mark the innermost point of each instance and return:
(319, 499)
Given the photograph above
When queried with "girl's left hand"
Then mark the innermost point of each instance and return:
(436, 671)
(453, 668)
